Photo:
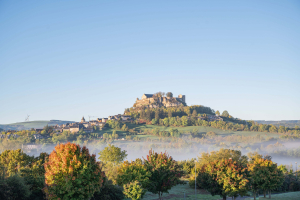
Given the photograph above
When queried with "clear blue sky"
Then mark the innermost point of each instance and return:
(68, 59)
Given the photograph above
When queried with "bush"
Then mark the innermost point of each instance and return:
(134, 190)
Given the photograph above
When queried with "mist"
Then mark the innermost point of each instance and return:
(184, 149)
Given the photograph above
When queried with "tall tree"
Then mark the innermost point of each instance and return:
(194, 114)
(165, 172)
(112, 154)
(217, 113)
(225, 178)
(157, 114)
(264, 175)
(14, 160)
(170, 113)
(72, 173)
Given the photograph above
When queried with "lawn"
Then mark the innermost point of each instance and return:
(288, 196)
(178, 191)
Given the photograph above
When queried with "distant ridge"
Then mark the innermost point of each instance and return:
(32, 124)
(287, 123)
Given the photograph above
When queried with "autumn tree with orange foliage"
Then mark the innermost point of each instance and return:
(72, 173)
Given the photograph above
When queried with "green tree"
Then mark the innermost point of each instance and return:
(169, 94)
(170, 113)
(14, 188)
(134, 171)
(124, 127)
(265, 175)
(134, 190)
(217, 113)
(157, 114)
(235, 155)
(14, 160)
(225, 113)
(224, 177)
(165, 172)
(72, 173)
(105, 136)
(194, 114)
(109, 192)
(184, 121)
(34, 176)
(112, 154)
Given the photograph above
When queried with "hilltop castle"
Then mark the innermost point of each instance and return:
(158, 100)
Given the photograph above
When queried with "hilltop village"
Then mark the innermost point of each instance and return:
(87, 126)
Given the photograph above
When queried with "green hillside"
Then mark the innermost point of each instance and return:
(32, 124)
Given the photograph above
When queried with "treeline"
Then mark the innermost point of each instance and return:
(229, 173)
(224, 125)
(18, 139)
(66, 174)
(200, 116)
(150, 113)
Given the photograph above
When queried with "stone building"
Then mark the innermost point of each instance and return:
(153, 101)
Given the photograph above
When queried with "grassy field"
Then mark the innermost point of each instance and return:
(202, 130)
(177, 193)
(283, 196)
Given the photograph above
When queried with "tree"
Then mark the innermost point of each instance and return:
(194, 114)
(225, 113)
(165, 172)
(109, 192)
(134, 171)
(14, 160)
(265, 175)
(157, 114)
(217, 113)
(124, 127)
(170, 113)
(14, 188)
(112, 154)
(105, 135)
(235, 155)
(169, 94)
(224, 177)
(72, 173)
(134, 190)
(34, 176)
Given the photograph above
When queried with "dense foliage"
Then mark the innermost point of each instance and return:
(165, 172)
(72, 173)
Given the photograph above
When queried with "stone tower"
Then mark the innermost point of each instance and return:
(182, 97)
(82, 120)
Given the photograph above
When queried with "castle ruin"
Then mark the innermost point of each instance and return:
(155, 100)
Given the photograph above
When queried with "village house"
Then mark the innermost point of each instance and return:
(38, 136)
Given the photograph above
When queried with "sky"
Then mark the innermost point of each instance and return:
(67, 59)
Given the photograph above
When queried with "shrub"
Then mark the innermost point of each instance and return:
(134, 190)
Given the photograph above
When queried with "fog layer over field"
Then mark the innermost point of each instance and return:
(184, 150)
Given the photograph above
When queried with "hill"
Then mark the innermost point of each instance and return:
(286, 123)
(32, 124)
